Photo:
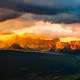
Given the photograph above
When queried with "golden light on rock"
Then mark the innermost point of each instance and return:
(69, 39)
(6, 40)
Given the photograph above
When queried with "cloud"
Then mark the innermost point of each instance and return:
(46, 17)
(51, 30)
(53, 3)
(70, 17)
(8, 26)
(41, 6)
(66, 11)
(27, 24)
(6, 13)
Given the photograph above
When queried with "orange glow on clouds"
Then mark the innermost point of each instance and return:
(46, 28)
(39, 29)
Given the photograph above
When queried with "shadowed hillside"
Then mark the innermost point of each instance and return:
(15, 46)
(19, 65)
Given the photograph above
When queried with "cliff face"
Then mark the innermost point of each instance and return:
(34, 43)
(37, 43)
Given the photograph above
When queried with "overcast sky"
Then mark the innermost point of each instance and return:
(51, 10)
(41, 3)
(25, 12)
(50, 3)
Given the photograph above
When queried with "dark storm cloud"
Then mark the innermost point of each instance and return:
(51, 10)
(41, 6)
(70, 17)
(6, 13)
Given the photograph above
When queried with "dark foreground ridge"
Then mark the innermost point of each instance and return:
(23, 65)
(39, 62)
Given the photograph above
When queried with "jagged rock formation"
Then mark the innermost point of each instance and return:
(15, 46)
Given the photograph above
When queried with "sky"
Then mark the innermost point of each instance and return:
(55, 10)
(51, 17)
